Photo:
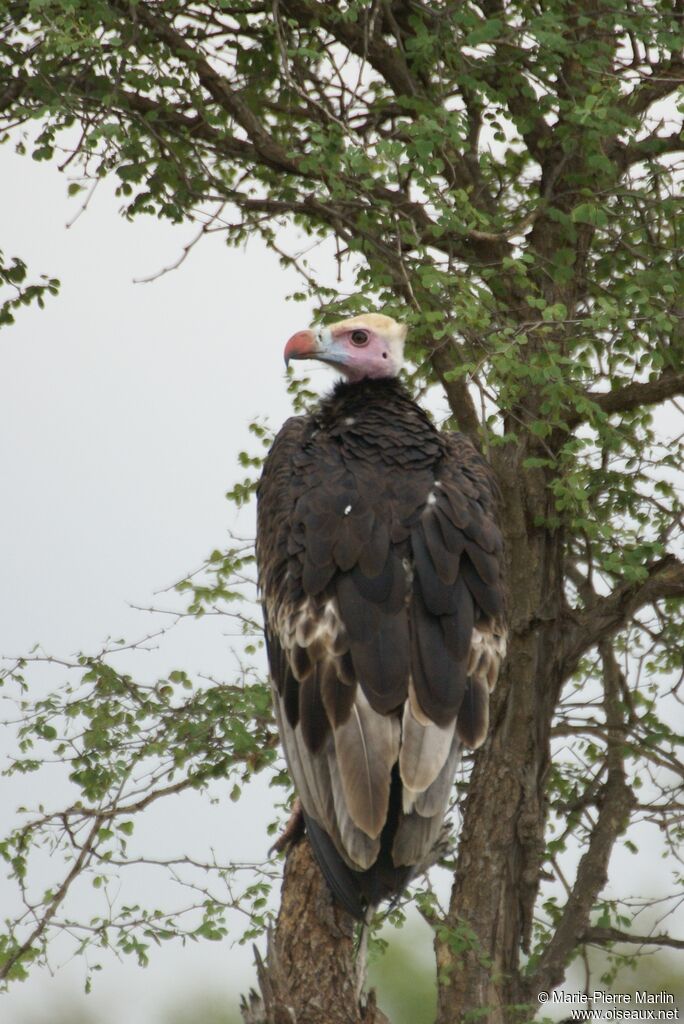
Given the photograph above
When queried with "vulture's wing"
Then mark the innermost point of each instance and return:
(380, 578)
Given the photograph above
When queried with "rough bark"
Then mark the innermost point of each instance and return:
(310, 972)
(501, 843)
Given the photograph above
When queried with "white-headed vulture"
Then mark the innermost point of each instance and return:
(380, 564)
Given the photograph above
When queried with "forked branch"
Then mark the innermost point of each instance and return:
(607, 615)
(615, 802)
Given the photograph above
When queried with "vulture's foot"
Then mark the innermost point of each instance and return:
(293, 831)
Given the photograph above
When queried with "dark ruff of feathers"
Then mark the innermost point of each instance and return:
(379, 564)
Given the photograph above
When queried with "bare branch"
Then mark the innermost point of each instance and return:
(604, 936)
(665, 77)
(616, 800)
(609, 614)
(668, 385)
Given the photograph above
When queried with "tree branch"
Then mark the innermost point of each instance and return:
(664, 79)
(268, 148)
(89, 87)
(609, 614)
(260, 148)
(388, 61)
(11, 93)
(55, 902)
(668, 385)
(456, 390)
(650, 148)
(310, 972)
(520, 99)
(603, 936)
(391, 64)
(616, 801)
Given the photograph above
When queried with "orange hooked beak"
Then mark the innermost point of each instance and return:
(302, 345)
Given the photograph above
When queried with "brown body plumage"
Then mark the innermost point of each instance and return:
(380, 569)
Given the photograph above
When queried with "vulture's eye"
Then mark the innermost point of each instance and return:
(359, 337)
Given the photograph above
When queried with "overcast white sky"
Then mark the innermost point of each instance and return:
(124, 407)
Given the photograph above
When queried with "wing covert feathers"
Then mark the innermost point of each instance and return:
(380, 565)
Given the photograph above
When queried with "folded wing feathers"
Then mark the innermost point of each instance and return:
(435, 799)
(318, 782)
(487, 650)
(424, 750)
(342, 766)
(368, 568)
(421, 826)
(367, 746)
(415, 838)
(358, 849)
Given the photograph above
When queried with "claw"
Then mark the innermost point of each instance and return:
(293, 831)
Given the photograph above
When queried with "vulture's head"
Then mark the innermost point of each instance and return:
(370, 345)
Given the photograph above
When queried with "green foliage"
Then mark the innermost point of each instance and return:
(122, 745)
(13, 278)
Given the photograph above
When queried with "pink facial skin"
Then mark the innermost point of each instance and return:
(359, 358)
(359, 352)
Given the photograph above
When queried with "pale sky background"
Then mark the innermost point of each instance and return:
(123, 409)
(124, 406)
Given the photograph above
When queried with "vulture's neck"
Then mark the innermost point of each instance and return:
(350, 398)
(377, 415)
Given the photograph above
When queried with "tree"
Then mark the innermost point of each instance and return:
(504, 177)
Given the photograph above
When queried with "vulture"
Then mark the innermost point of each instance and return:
(380, 572)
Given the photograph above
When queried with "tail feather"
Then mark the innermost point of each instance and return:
(359, 892)
(337, 874)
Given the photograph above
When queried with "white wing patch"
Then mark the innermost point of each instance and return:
(487, 652)
(312, 624)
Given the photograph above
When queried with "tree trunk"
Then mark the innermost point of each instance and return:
(501, 843)
(310, 972)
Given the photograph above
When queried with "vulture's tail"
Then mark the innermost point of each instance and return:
(361, 891)
(341, 879)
